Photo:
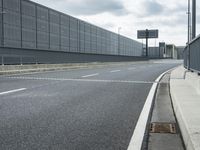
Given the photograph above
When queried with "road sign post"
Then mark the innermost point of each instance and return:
(146, 34)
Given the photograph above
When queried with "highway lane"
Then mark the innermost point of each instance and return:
(82, 109)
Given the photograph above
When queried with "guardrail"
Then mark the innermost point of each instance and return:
(192, 55)
(16, 60)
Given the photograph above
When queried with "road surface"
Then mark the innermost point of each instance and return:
(83, 109)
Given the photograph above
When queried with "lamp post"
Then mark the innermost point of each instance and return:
(193, 19)
(189, 13)
(119, 28)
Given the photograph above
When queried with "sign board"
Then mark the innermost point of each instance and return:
(142, 34)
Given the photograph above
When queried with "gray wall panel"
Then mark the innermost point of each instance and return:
(54, 17)
(12, 43)
(12, 32)
(64, 20)
(28, 35)
(26, 44)
(64, 41)
(12, 18)
(13, 5)
(54, 28)
(42, 40)
(1, 24)
(28, 8)
(64, 31)
(42, 13)
(42, 25)
(28, 22)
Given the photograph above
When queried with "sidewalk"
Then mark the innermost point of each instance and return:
(185, 93)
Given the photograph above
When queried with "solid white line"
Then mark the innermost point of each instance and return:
(138, 134)
(91, 75)
(115, 71)
(12, 91)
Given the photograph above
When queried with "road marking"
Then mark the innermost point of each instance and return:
(12, 91)
(84, 80)
(90, 75)
(115, 71)
(138, 134)
(131, 68)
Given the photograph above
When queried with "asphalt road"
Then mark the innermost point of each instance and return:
(82, 109)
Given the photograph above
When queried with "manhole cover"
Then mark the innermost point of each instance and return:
(158, 127)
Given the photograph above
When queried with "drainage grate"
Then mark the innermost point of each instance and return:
(158, 127)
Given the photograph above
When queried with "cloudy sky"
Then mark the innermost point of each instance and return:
(131, 15)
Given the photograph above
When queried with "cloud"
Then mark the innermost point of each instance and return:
(153, 8)
(91, 7)
(88, 7)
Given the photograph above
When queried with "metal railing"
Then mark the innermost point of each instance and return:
(16, 60)
(191, 55)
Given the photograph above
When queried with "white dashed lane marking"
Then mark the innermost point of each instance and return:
(90, 75)
(115, 71)
(12, 91)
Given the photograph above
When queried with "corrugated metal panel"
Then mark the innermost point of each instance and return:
(12, 43)
(64, 31)
(12, 32)
(64, 41)
(54, 17)
(0, 3)
(28, 22)
(1, 23)
(12, 18)
(42, 40)
(64, 20)
(30, 45)
(73, 34)
(42, 13)
(13, 5)
(28, 8)
(42, 46)
(42, 26)
(54, 28)
(28, 35)
(73, 24)
(54, 40)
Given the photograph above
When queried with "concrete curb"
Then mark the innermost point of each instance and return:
(186, 102)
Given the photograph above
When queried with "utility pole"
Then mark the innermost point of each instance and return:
(193, 19)
(147, 35)
(188, 21)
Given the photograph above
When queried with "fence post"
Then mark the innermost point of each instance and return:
(21, 61)
(2, 61)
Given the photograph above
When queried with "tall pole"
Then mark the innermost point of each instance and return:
(193, 19)
(147, 35)
(188, 21)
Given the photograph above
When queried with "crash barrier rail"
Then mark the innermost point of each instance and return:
(191, 55)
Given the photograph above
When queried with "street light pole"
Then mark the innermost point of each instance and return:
(188, 21)
(193, 19)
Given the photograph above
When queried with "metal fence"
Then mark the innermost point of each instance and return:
(192, 55)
